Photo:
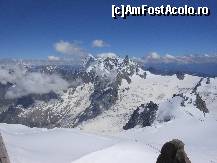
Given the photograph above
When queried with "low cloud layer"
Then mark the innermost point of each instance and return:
(154, 57)
(25, 83)
(53, 58)
(99, 44)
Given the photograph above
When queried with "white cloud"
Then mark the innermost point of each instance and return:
(68, 48)
(25, 83)
(10, 74)
(53, 58)
(99, 44)
(168, 56)
(154, 55)
(107, 55)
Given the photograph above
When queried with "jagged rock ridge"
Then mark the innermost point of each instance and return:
(144, 116)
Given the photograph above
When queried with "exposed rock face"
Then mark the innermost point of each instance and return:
(208, 81)
(103, 97)
(201, 104)
(34, 118)
(143, 116)
(180, 75)
(194, 91)
(173, 152)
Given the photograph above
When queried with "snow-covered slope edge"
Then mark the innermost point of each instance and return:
(33, 145)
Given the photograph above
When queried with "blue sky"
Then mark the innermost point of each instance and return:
(30, 28)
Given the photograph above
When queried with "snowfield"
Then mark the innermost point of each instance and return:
(140, 145)
(26, 145)
(123, 152)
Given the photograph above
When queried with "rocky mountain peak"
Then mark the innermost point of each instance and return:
(113, 67)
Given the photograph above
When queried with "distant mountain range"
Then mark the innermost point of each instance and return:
(199, 69)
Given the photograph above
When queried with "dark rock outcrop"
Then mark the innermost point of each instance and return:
(201, 104)
(35, 117)
(194, 91)
(144, 116)
(180, 75)
(208, 81)
(173, 152)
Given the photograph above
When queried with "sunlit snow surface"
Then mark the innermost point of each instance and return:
(142, 145)
(35, 145)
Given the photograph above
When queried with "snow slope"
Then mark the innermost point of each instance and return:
(123, 152)
(199, 137)
(26, 145)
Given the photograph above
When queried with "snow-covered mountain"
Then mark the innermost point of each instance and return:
(110, 94)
